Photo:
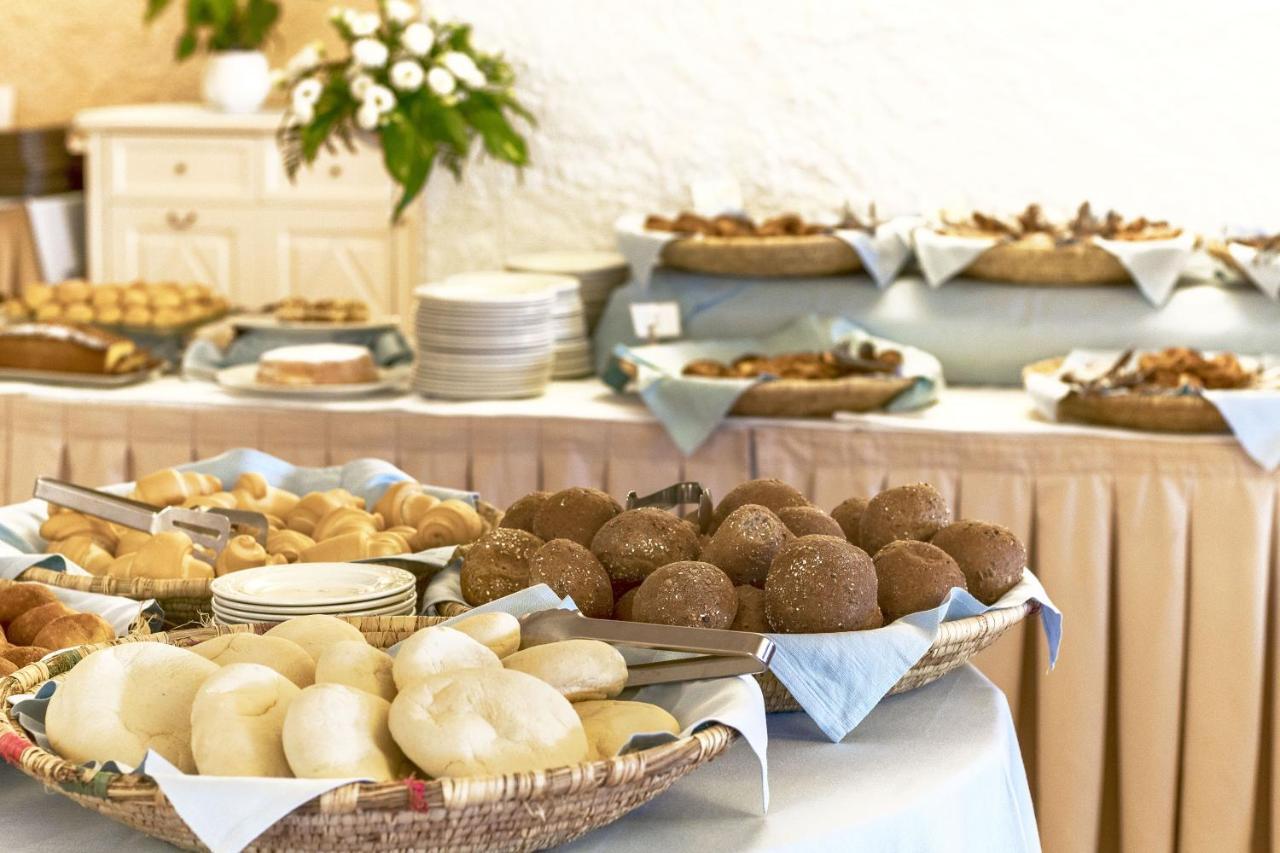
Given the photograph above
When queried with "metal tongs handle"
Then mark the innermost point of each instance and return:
(118, 510)
(719, 652)
(678, 495)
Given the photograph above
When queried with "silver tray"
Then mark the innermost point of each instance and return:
(85, 380)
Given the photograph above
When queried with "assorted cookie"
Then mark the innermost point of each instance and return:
(163, 305)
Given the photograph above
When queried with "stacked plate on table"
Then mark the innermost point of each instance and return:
(277, 593)
(569, 324)
(486, 335)
(598, 273)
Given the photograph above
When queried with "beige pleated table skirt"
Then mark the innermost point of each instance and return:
(1156, 731)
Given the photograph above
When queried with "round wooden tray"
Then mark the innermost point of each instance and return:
(763, 257)
(1186, 413)
(515, 811)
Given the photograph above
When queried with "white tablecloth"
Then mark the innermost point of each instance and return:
(934, 769)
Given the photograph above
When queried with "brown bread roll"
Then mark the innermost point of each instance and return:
(809, 521)
(915, 512)
(914, 576)
(744, 545)
(21, 656)
(634, 543)
(990, 556)
(849, 516)
(23, 630)
(575, 514)
(21, 597)
(571, 570)
(76, 629)
(750, 615)
(690, 593)
(497, 565)
(520, 514)
(769, 493)
(819, 584)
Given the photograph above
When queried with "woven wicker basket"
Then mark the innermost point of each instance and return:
(517, 811)
(1186, 413)
(763, 257)
(1075, 264)
(811, 398)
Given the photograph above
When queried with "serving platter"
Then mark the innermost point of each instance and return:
(243, 378)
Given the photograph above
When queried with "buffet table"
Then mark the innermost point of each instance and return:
(1159, 550)
(932, 769)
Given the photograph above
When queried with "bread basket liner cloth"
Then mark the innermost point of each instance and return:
(227, 813)
(1253, 415)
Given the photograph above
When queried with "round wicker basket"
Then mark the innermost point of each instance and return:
(957, 642)
(1075, 264)
(517, 811)
(1186, 413)
(762, 257)
(811, 398)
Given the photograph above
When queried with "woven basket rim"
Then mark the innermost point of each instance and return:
(1079, 264)
(814, 255)
(56, 772)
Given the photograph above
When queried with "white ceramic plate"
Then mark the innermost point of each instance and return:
(243, 378)
(396, 599)
(403, 605)
(317, 328)
(577, 263)
(305, 584)
(227, 618)
(519, 290)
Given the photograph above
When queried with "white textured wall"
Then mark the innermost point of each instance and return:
(1159, 108)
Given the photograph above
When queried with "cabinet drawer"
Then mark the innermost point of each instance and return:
(356, 176)
(181, 167)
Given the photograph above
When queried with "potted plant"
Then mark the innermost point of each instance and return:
(417, 86)
(237, 77)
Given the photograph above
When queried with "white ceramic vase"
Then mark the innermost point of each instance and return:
(236, 81)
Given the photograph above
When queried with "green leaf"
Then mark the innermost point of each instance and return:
(186, 45)
(259, 17)
(500, 138)
(154, 8)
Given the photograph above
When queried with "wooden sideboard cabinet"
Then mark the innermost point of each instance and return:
(178, 192)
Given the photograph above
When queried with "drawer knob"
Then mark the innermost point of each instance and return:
(335, 171)
(179, 168)
(180, 222)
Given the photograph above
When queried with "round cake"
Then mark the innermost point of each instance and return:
(316, 364)
(990, 556)
(819, 584)
(745, 544)
(689, 593)
(914, 576)
(635, 542)
(916, 511)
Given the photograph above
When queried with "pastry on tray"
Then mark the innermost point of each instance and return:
(865, 361)
(1032, 248)
(784, 245)
(297, 309)
(162, 306)
(60, 348)
(317, 364)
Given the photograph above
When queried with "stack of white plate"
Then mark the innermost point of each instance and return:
(486, 335)
(277, 593)
(569, 324)
(598, 273)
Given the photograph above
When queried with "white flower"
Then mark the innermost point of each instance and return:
(367, 116)
(359, 86)
(407, 75)
(441, 81)
(361, 23)
(306, 59)
(303, 113)
(370, 53)
(417, 38)
(306, 91)
(382, 98)
(464, 68)
(401, 11)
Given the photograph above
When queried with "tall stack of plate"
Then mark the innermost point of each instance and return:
(485, 336)
(569, 323)
(278, 593)
(598, 273)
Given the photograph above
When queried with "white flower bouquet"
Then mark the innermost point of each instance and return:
(417, 85)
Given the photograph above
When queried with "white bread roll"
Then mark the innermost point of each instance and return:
(499, 631)
(479, 722)
(316, 632)
(438, 649)
(284, 656)
(334, 732)
(123, 700)
(578, 669)
(610, 723)
(357, 664)
(237, 719)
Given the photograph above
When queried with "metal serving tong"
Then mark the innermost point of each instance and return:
(678, 495)
(718, 653)
(210, 529)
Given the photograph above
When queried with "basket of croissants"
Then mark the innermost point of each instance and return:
(323, 526)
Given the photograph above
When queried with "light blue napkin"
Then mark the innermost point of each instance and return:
(203, 358)
(690, 407)
(839, 678)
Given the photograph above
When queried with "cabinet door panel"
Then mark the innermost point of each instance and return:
(187, 245)
(333, 255)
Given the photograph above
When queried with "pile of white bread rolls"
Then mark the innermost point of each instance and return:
(328, 526)
(311, 698)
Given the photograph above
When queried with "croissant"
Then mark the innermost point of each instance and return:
(130, 541)
(68, 523)
(339, 549)
(169, 486)
(453, 522)
(288, 544)
(165, 555)
(388, 506)
(386, 544)
(85, 552)
(253, 492)
(244, 552)
(346, 519)
(221, 500)
(316, 505)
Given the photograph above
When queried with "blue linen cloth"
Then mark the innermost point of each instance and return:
(203, 358)
(691, 407)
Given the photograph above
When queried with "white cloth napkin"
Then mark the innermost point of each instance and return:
(641, 247)
(1262, 269)
(885, 252)
(942, 257)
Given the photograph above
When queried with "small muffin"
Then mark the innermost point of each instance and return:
(623, 604)
(849, 516)
(634, 543)
(520, 514)
(497, 565)
(990, 556)
(809, 521)
(569, 569)
(745, 544)
(575, 513)
(819, 584)
(689, 593)
(916, 511)
(914, 576)
(750, 615)
(770, 493)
